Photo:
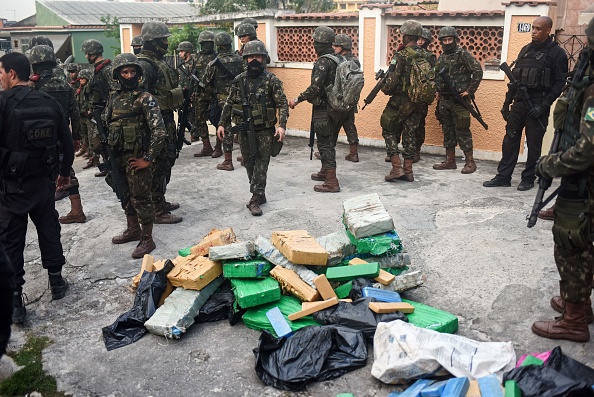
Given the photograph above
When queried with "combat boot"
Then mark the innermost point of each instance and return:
(18, 308)
(417, 157)
(387, 159)
(547, 214)
(167, 218)
(76, 214)
(227, 165)
(146, 244)
(83, 150)
(408, 171)
(396, 172)
(93, 162)
(571, 325)
(470, 165)
(353, 154)
(558, 305)
(262, 199)
(58, 286)
(132, 232)
(254, 205)
(60, 194)
(450, 161)
(171, 206)
(318, 155)
(330, 185)
(100, 174)
(319, 176)
(207, 149)
(218, 152)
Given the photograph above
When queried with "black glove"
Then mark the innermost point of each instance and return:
(505, 111)
(537, 111)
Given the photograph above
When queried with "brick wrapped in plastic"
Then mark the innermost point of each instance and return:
(386, 243)
(243, 250)
(338, 246)
(366, 216)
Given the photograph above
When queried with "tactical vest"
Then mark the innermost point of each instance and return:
(567, 112)
(534, 69)
(168, 92)
(456, 68)
(126, 128)
(261, 102)
(57, 88)
(29, 139)
(201, 62)
(234, 64)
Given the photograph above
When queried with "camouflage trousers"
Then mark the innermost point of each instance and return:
(326, 123)
(258, 169)
(84, 133)
(93, 134)
(455, 124)
(421, 132)
(137, 190)
(401, 119)
(350, 128)
(73, 186)
(199, 116)
(162, 166)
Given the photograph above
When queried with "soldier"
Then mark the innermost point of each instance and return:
(83, 98)
(326, 122)
(540, 69)
(185, 49)
(130, 109)
(31, 150)
(136, 44)
(203, 108)
(162, 82)
(264, 92)
(101, 85)
(43, 62)
(217, 79)
(72, 70)
(574, 206)
(424, 41)
(246, 33)
(402, 117)
(466, 74)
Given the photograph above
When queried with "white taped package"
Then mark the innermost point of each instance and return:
(242, 250)
(272, 255)
(400, 259)
(366, 216)
(404, 352)
(338, 246)
(180, 308)
(404, 282)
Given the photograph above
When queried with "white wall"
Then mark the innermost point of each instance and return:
(474, 5)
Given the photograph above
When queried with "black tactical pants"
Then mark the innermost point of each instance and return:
(510, 148)
(36, 202)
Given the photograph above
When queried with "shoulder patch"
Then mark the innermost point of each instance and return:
(589, 116)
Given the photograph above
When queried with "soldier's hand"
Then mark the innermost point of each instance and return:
(505, 111)
(293, 103)
(138, 164)
(463, 94)
(537, 111)
(221, 132)
(280, 133)
(62, 182)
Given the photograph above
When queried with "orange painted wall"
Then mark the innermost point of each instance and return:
(261, 32)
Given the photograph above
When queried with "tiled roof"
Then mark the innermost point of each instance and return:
(437, 13)
(90, 12)
(529, 2)
(321, 15)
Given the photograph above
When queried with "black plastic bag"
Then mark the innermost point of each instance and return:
(356, 315)
(219, 306)
(560, 376)
(357, 287)
(129, 327)
(310, 354)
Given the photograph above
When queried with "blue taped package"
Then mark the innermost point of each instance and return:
(490, 386)
(434, 390)
(456, 387)
(381, 295)
(278, 322)
(415, 389)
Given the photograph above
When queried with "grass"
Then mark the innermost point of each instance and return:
(32, 377)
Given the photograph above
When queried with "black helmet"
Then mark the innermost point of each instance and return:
(123, 60)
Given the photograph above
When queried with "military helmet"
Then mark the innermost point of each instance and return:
(154, 30)
(92, 46)
(411, 28)
(185, 46)
(427, 35)
(590, 34)
(245, 29)
(41, 53)
(136, 41)
(254, 47)
(324, 34)
(72, 67)
(40, 40)
(206, 35)
(86, 74)
(447, 31)
(125, 59)
(250, 21)
(223, 38)
(344, 41)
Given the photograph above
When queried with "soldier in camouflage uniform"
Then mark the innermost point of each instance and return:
(72, 70)
(185, 49)
(201, 103)
(161, 80)
(574, 208)
(402, 117)
(43, 61)
(326, 122)
(466, 74)
(131, 109)
(246, 33)
(217, 79)
(424, 42)
(264, 91)
(136, 44)
(83, 98)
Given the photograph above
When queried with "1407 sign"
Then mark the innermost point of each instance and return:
(524, 27)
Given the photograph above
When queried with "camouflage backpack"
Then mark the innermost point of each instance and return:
(421, 87)
(344, 94)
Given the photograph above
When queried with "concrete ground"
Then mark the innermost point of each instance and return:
(482, 264)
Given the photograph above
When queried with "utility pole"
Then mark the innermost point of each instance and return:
(13, 14)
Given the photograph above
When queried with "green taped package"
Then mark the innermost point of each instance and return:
(256, 268)
(379, 244)
(255, 318)
(346, 273)
(254, 292)
(184, 252)
(431, 318)
(344, 290)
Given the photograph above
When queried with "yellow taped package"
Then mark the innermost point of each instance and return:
(290, 282)
(214, 238)
(300, 248)
(194, 272)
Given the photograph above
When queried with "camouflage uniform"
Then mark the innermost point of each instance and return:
(88, 129)
(201, 102)
(421, 132)
(349, 123)
(101, 86)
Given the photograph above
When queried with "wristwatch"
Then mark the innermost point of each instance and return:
(148, 158)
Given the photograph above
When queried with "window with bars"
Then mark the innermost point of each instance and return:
(295, 44)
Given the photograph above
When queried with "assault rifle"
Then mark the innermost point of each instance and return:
(380, 76)
(312, 136)
(458, 98)
(247, 124)
(545, 183)
(183, 120)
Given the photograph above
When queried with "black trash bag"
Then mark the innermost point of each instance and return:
(218, 307)
(129, 327)
(310, 354)
(555, 378)
(356, 315)
(358, 285)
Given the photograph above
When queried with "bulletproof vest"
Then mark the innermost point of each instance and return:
(57, 88)
(127, 126)
(29, 138)
(261, 101)
(456, 68)
(568, 109)
(534, 69)
(234, 64)
(167, 90)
